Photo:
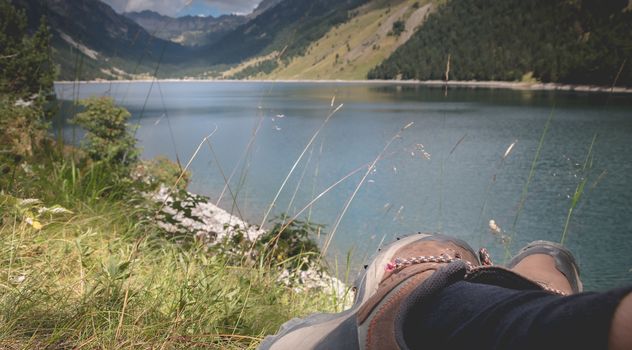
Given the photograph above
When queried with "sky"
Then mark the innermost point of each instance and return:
(178, 8)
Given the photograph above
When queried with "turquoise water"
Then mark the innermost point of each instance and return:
(444, 173)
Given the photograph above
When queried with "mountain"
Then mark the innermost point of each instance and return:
(565, 41)
(195, 30)
(349, 50)
(288, 27)
(90, 40)
(263, 6)
(187, 30)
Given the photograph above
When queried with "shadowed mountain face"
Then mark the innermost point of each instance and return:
(89, 35)
(288, 27)
(188, 30)
(96, 25)
(263, 6)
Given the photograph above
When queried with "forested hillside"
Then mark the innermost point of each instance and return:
(565, 41)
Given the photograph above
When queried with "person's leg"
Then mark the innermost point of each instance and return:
(482, 316)
(430, 290)
(493, 308)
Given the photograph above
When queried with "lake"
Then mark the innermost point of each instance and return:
(452, 170)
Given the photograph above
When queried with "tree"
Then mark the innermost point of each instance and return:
(26, 67)
(26, 81)
(108, 137)
(399, 27)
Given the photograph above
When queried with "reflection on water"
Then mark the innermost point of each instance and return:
(446, 173)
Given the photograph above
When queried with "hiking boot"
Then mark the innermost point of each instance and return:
(396, 270)
(550, 265)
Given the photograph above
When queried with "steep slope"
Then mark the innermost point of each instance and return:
(187, 30)
(581, 41)
(91, 41)
(351, 49)
(288, 27)
(263, 6)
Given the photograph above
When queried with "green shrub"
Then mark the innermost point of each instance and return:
(286, 241)
(399, 27)
(23, 128)
(109, 138)
(161, 171)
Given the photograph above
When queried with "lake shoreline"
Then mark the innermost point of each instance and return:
(505, 85)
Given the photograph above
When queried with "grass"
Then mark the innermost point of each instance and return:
(525, 188)
(579, 190)
(102, 275)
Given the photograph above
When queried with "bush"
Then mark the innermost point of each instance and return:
(23, 128)
(286, 241)
(108, 136)
(399, 27)
(161, 171)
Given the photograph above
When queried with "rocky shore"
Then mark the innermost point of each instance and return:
(186, 213)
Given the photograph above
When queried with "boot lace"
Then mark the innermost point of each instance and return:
(486, 260)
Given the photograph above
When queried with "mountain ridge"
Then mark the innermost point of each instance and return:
(186, 30)
(105, 45)
(351, 39)
(287, 27)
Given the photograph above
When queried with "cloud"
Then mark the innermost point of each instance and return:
(177, 7)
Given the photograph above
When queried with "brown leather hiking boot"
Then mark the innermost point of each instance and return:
(550, 265)
(398, 269)
(410, 267)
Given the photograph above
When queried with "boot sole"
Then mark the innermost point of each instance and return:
(564, 260)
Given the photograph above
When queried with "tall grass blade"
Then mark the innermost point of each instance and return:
(525, 188)
(579, 190)
(366, 174)
(287, 177)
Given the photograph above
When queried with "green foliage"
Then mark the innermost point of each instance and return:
(580, 42)
(265, 67)
(399, 27)
(161, 171)
(26, 80)
(26, 67)
(287, 240)
(109, 138)
(23, 127)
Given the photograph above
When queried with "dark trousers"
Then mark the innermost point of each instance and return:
(452, 312)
